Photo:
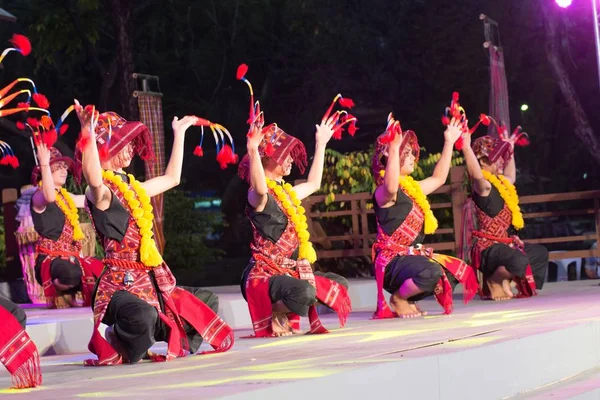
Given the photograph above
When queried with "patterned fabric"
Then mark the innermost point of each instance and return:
(282, 145)
(273, 259)
(494, 230)
(381, 151)
(18, 353)
(69, 249)
(135, 278)
(399, 243)
(151, 114)
(492, 148)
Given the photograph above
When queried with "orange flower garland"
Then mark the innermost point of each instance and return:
(66, 204)
(414, 191)
(292, 207)
(141, 210)
(508, 192)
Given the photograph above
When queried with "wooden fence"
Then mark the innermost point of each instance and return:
(362, 233)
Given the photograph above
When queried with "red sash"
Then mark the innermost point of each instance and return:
(273, 259)
(399, 243)
(18, 352)
(122, 261)
(495, 230)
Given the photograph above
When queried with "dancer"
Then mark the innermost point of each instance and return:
(136, 295)
(279, 283)
(497, 251)
(403, 266)
(60, 268)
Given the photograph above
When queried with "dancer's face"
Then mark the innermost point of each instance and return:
(408, 166)
(60, 171)
(123, 158)
(279, 171)
(496, 168)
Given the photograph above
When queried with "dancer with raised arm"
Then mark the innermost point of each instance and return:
(279, 283)
(136, 295)
(404, 267)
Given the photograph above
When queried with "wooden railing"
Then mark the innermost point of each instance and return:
(362, 234)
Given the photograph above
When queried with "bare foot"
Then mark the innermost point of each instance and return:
(113, 340)
(416, 308)
(402, 307)
(507, 288)
(497, 292)
(281, 325)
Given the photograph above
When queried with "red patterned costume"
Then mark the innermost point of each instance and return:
(495, 243)
(17, 351)
(165, 311)
(274, 272)
(397, 252)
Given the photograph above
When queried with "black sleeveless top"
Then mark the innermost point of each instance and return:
(392, 217)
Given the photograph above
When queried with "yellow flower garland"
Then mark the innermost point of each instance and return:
(414, 191)
(296, 214)
(67, 206)
(508, 192)
(141, 210)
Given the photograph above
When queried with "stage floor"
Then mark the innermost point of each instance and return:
(363, 350)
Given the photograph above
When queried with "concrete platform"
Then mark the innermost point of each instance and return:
(484, 350)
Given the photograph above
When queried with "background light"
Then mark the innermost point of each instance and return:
(563, 3)
(524, 107)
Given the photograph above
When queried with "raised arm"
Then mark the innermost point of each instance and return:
(41, 198)
(510, 170)
(257, 195)
(440, 172)
(97, 192)
(315, 175)
(172, 175)
(480, 185)
(385, 195)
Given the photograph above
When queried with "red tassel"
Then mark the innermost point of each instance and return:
(445, 120)
(198, 151)
(226, 156)
(485, 119)
(337, 134)
(352, 128)
(4, 160)
(103, 153)
(13, 161)
(20, 125)
(46, 122)
(458, 145)
(63, 128)
(23, 105)
(21, 43)
(455, 96)
(346, 103)
(41, 100)
(83, 142)
(269, 149)
(50, 137)
(522, 141)
(241, 71)
(34, 123)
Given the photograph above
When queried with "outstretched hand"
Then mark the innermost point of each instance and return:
(180, 126)
(453, 131)
(323, 134)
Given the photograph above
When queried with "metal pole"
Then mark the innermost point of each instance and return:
(597, 35)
